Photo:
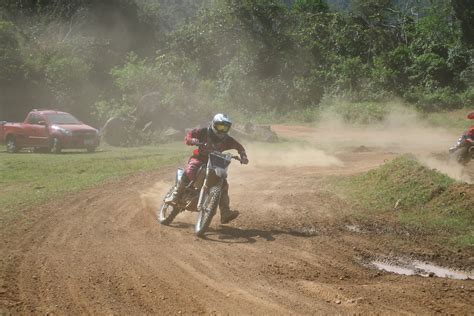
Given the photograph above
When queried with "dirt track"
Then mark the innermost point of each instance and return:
(102, 251)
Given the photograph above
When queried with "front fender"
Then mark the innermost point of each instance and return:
(221, 173)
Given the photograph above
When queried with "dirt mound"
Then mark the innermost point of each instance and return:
(459, 197)
(422, 197)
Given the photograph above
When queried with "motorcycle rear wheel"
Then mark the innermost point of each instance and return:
(208, 210)
(167, 212)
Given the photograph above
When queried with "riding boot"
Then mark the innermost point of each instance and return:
(224, 206)
(178, 191)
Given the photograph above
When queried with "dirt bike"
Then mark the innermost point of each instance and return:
(463, 152)
(201, 195)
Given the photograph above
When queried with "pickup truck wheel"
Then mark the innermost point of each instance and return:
(11, 145)
(91, 149)
(55, 146)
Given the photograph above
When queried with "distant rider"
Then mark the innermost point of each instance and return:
(469, 134)
(213, 137)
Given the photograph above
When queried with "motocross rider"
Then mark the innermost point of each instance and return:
(214, 137)
(469, 134)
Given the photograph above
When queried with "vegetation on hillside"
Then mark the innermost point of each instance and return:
(98, 58)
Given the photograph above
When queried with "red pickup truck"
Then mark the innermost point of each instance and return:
(48, 130)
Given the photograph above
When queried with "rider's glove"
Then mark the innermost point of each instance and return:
(195, 141)
(243, 159)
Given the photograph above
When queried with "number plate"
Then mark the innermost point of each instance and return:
(88, 142)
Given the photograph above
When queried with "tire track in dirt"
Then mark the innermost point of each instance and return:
(102, 251)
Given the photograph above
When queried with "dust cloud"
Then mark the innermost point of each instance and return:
(286, 155)
(151, 199)
(401, 131)
(448, 167)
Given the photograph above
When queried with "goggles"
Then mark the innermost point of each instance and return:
(222, 128)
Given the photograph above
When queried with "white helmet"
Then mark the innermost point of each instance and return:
(221, 124)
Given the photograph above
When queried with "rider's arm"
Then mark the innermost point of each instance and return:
(233, 144)
(192, 136)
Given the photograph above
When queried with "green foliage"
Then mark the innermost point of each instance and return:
(464, 10)
(65, 76)
(430, 70)
(374, 12)
(435, 100)
(103, 110)
(10, 52)
(311, 6)
(136, 76)
(252, 56)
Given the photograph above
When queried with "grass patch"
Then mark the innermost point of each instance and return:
(27, 179)
(415, 196)
(454, 120)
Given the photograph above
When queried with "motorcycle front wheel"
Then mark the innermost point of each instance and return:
(167, 212)
(461, 155)
(208, 210)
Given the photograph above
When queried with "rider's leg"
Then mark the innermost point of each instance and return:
(192, 168)
(224, 205)
(178, 190)
(189, 174)
(181, 186)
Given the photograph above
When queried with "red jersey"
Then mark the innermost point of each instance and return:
(470, 132)
(206, 136)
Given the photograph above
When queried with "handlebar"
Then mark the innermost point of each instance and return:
(236, 157)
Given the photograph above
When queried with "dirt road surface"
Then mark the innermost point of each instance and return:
(292, 250)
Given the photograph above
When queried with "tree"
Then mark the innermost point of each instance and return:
(10, 56)
(464, 10)
(311, 6)
(374, 12)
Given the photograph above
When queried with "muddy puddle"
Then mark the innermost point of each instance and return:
(416, 267)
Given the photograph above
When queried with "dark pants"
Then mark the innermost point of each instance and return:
(191, 171)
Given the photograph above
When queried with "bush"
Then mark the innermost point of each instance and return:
(65, 76)
(430, 71)
(103, 110)
(136, 76)
(10, 53)
(436, 100)
(357, 112)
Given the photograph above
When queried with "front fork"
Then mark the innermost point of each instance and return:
(205, 187)
(459, 143)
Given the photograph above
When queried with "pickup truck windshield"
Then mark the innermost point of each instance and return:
(62, 118)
